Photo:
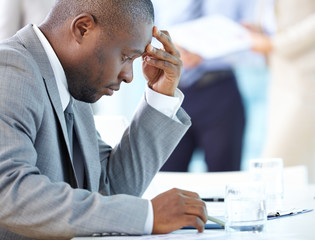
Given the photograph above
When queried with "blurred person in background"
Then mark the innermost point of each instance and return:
(291, 117)
(212, 97)
(15, 14)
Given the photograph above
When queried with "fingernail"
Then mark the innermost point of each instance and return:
(156, 30)
(147, 59)
(150, 47)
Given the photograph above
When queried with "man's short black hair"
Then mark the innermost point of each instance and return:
(110, 14)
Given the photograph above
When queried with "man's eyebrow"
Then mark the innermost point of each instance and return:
(138, 51)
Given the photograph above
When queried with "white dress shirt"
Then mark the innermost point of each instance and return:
(165, 104)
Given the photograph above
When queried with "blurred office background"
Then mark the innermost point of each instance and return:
(252, 78)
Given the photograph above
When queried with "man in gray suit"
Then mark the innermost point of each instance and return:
(54, 186)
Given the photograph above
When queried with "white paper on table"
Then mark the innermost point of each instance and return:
(211, 37)
(194, 235)
(183, 235)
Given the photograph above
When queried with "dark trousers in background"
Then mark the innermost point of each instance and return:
(218, 120)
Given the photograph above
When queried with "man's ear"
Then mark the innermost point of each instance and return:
(81, 26)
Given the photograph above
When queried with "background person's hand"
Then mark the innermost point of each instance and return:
(177, 208)
(190, 59)
(162, 67)
(261, 42)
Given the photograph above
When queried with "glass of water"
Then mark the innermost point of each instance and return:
(245, 207)
(270, 172)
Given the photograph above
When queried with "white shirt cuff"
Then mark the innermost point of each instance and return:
(148, 227)
(165, 104)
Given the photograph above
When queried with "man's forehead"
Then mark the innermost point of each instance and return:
(138, 40)
(137, 50)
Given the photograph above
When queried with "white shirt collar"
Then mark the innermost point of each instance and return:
(57, 69)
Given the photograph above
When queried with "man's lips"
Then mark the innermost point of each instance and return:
(114, 89)
(111, 90)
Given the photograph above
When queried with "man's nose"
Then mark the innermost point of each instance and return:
(126, 73)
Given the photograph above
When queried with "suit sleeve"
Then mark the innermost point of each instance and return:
(143, 149)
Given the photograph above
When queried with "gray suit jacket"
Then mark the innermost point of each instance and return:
(39, 198)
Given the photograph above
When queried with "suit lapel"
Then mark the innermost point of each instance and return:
(34, 46)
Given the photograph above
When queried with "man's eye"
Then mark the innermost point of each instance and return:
(126, 58)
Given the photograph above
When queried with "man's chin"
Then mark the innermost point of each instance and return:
(87, 99)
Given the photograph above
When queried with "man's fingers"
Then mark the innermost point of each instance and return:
(165, 39)
(198, 210)
(190, 194)
(193, 221)
(162, 68)
(162, 55)
(194, 205)
(161, 64)
(178, 208)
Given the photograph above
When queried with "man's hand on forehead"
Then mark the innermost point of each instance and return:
(162, 67)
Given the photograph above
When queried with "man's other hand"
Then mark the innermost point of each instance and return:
(177, 208)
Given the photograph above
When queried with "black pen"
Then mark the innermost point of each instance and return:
(213, 199)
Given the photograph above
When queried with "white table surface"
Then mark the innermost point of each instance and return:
(297, 227)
